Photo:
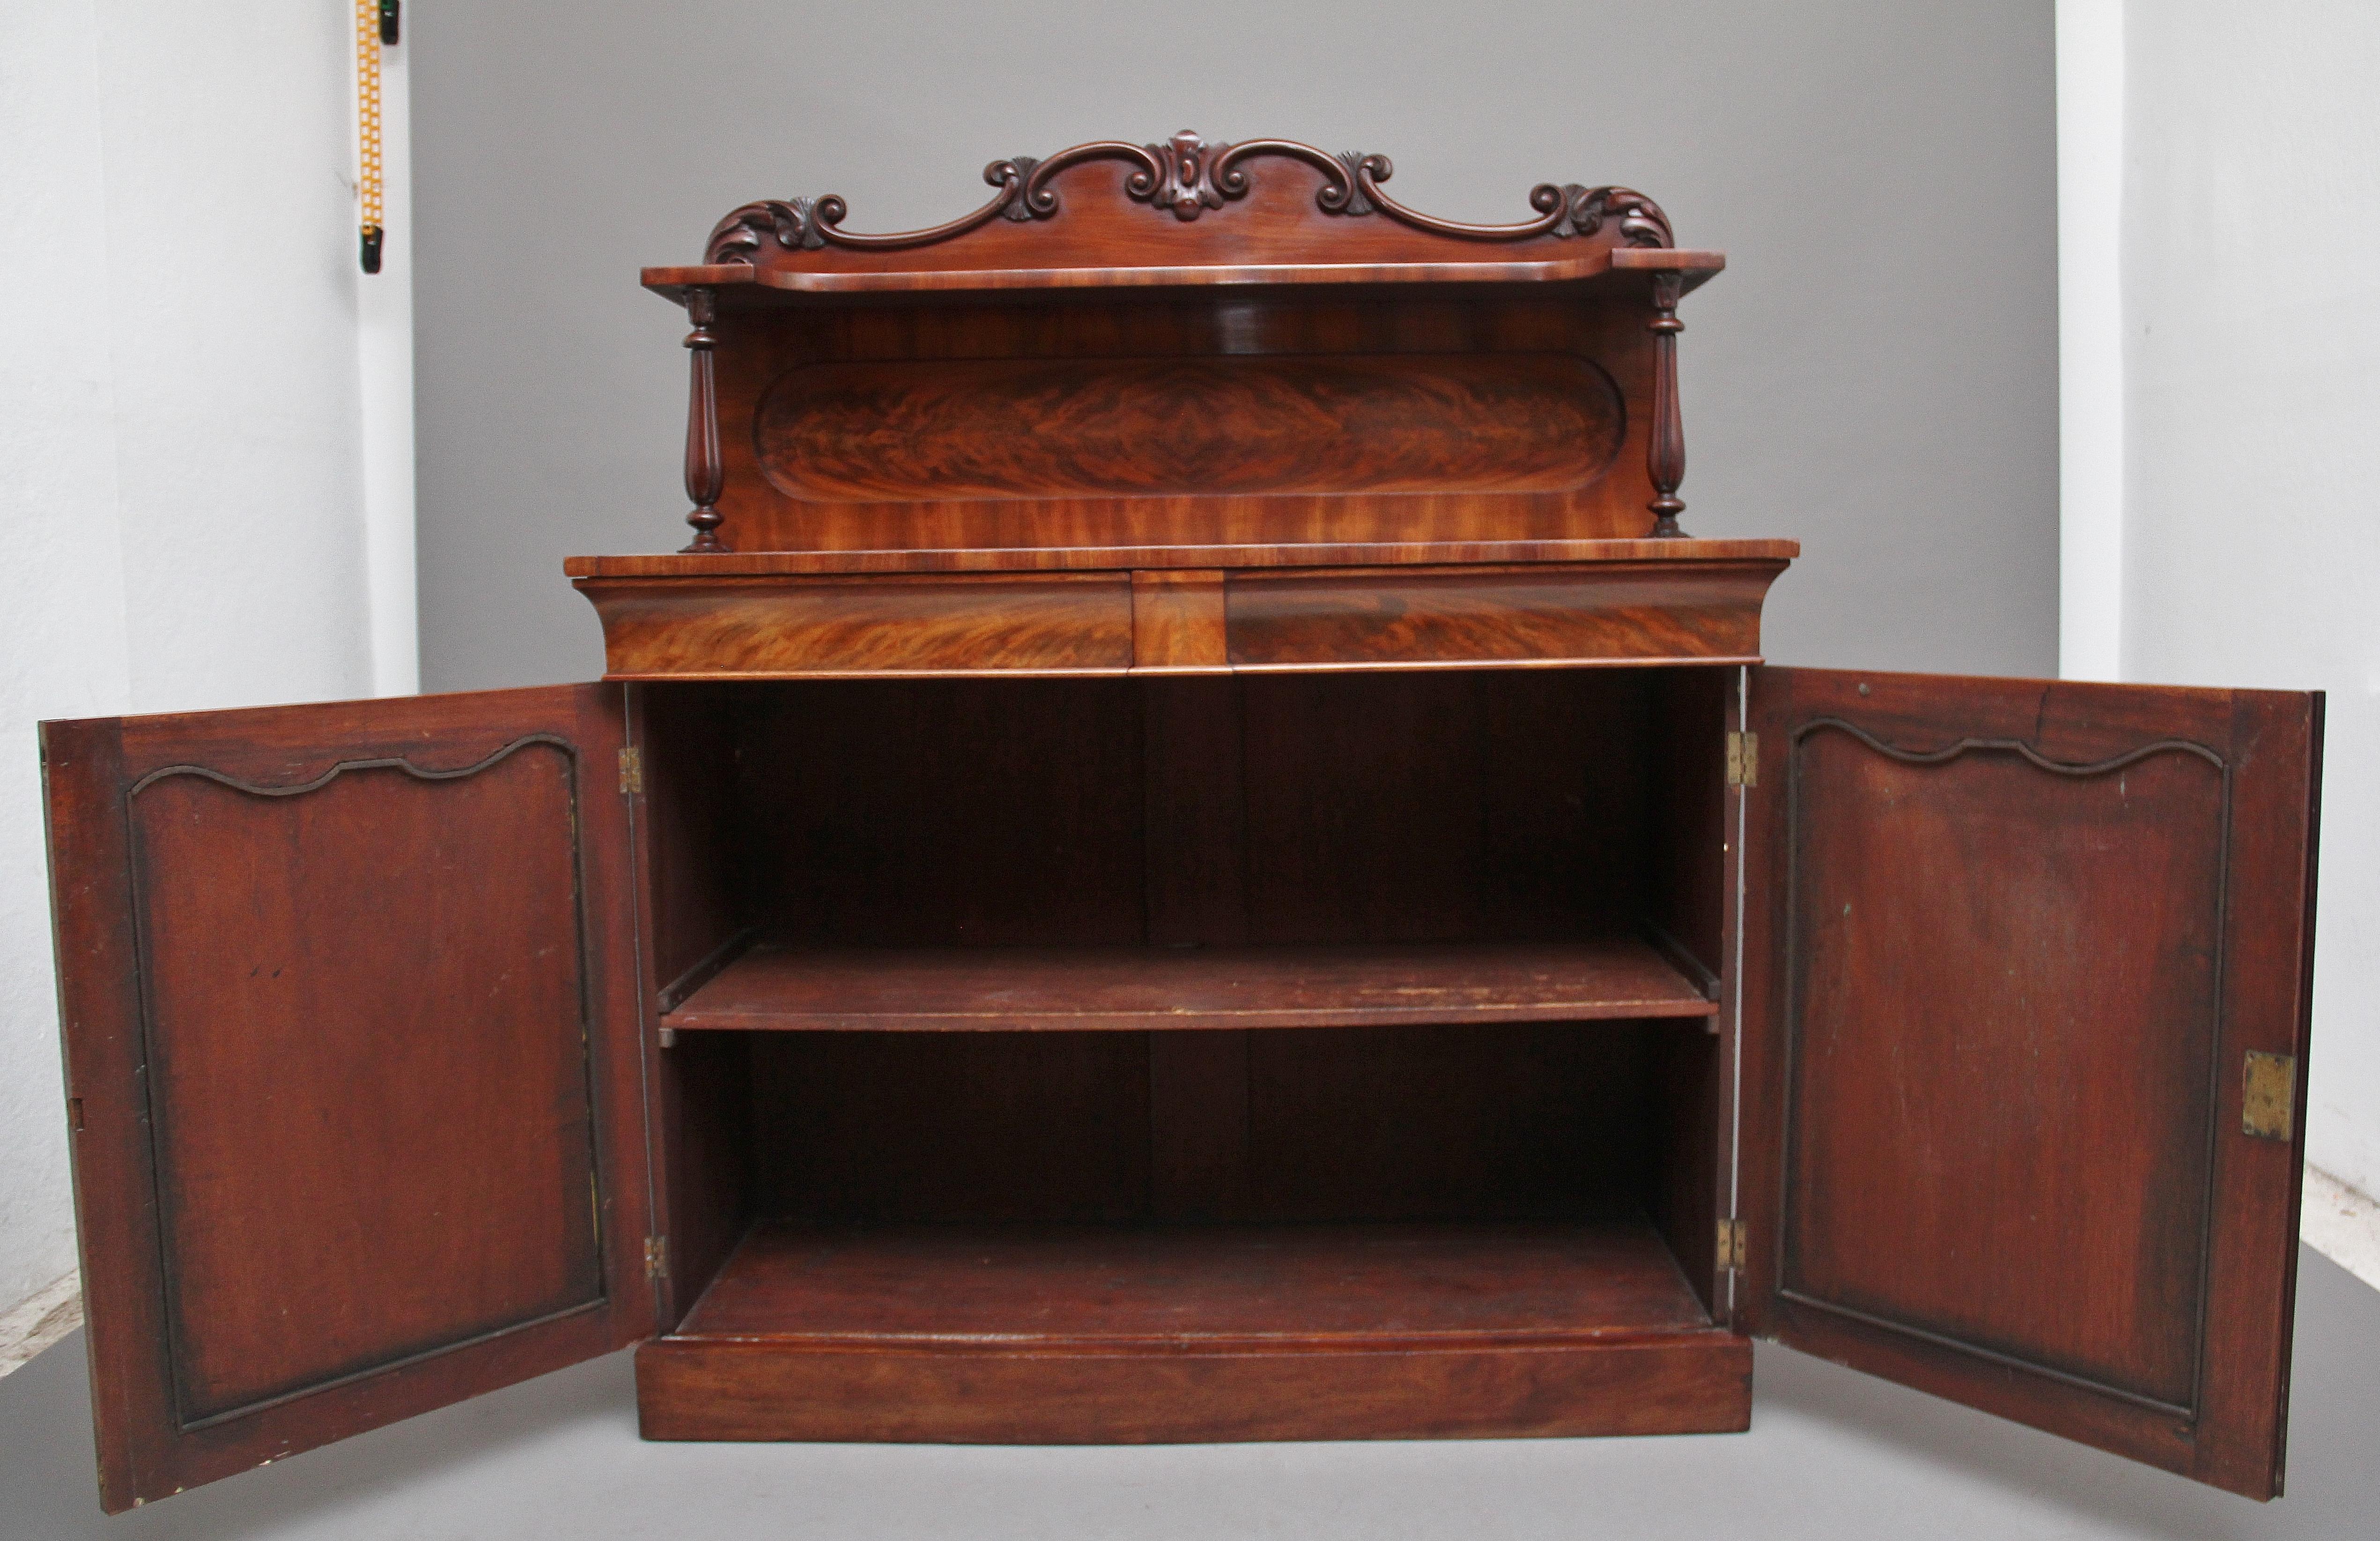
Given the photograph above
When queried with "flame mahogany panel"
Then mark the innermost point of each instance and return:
(1290, 618)
(1216, 419)
(1020, 428)
(1092, 622)
(1050, 622)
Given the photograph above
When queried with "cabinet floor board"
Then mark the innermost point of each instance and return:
(1069, 1334)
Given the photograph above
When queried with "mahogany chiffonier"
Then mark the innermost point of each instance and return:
(1191, 853)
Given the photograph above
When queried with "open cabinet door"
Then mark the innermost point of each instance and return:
(2025, 1001)
(352, 1065)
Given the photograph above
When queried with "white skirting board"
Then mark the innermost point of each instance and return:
(2342, 1224)
(29, 1327)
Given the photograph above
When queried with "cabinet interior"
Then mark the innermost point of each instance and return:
(962, 967)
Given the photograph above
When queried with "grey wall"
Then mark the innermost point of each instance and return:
(1875, 374)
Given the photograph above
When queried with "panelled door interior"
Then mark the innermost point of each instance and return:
(352, 1062)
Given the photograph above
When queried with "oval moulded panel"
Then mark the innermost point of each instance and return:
(938, 430)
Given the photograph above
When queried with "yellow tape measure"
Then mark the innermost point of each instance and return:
(375, 29)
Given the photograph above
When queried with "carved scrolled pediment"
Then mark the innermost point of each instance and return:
(1187, 177)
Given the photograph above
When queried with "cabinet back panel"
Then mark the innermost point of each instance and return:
(1491, 805)
(1409, 1124)
(945, 813)
(1443, 807)
(953, 1126)
(1423, 1124)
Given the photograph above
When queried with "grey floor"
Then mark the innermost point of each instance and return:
(1831, 1453)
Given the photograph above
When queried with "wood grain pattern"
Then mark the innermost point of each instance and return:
(1067, 622)
(1121, 989)
(1689, 1383)
(1588, 272)
(1055, 623)
(1177, 622)
(321, 1185)
(1204, 1286)
(2007, 933)
(1415, 552)
(1116, 1336)
(891, 432)
(1645, 612)
(1046, 465)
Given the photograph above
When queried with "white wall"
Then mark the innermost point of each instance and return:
(181, 455)
(2248, 456)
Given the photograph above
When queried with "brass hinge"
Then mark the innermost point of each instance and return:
(1744, 760)
(2268, 1102)
(632, 772)
(656, 1256)
(1730, 1243)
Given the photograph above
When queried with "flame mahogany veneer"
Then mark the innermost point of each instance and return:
(1190, 851)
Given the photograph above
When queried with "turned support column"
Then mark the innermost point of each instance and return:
(1665, 452)
(706, 472)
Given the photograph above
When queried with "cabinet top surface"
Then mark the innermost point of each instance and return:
(993, 559)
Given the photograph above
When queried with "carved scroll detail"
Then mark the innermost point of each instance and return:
(1185, 176)
(808, 224)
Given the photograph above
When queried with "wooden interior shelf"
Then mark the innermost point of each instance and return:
(1137, 989)
(1050, 1333)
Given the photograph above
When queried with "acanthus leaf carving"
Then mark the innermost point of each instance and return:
(1188, 185)
(1642, 222)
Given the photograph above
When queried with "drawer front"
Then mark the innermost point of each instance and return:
(1052, 623)
(1650, 611)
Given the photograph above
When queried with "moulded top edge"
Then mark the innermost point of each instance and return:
(729, 564)
(789, 286)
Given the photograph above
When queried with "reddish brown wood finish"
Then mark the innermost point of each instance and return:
(1665, 456)
(1212, 1287)
(1113, 214)
(1178, 622)
(970, 559)
(685, 825)
(1109, 1336)
(347, 1012)
(1123, 990)
(706, 474)
(1239, 420)
(2010, 941)
(956, 430)
(1045, 624)
(1312, 349)
(363, 1004)
(1541, 614)
(1070, 623)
